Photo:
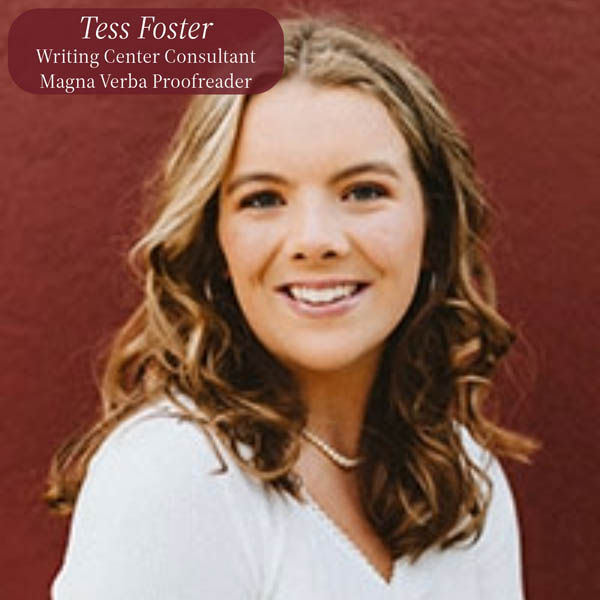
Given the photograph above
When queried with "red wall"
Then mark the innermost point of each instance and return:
(524, 77)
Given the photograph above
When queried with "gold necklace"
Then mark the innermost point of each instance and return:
(342, 461)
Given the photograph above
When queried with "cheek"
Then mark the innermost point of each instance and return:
(235, 244)
(246, 249)
(394, 242)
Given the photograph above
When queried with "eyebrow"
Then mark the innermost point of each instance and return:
(252, 177)
(377, 166)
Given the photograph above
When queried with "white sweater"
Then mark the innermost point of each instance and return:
(155, 522)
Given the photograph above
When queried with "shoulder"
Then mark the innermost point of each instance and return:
(161, 497)
(158, 455)
(168, 459)
(159, 438)
(498, 549)
(501, 496)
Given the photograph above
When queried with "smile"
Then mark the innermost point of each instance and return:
(322, 295)
(323, 298)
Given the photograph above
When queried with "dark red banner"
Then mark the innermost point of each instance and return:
(142, 51)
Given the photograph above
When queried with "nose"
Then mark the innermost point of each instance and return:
(316, 230)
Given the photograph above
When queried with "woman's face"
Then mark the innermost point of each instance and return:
(322, 224)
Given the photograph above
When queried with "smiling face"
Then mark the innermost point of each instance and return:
(322, 225)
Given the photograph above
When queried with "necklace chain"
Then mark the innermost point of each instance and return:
(342, 461)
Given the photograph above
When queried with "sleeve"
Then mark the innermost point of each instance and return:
(154, 522)
(499, 555)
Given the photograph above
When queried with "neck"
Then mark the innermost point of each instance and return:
(337, 403)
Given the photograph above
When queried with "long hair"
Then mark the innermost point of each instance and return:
(419, 488)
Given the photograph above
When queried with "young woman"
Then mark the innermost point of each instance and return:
(295, 410)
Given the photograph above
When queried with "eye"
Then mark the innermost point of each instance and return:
(365, 191)
(263, 199)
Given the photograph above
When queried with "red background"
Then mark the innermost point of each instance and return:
(524, 78)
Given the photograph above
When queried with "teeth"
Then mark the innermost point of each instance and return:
(322, 295)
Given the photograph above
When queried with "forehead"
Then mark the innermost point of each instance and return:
(298, 125)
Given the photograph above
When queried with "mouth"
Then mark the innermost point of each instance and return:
(322, 294)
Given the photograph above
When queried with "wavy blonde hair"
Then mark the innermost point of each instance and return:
(419, 488)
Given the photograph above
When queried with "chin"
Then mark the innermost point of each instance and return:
(329, 361)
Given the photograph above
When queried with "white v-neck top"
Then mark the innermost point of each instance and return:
(155, 520)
